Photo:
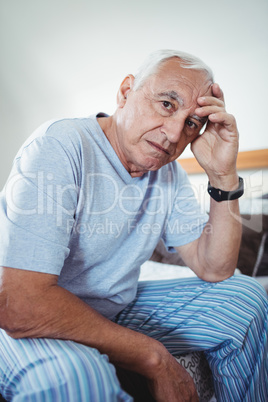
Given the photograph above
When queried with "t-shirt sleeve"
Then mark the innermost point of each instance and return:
(37, 207)
(187, 218)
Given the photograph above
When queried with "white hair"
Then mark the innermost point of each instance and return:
(155, 59)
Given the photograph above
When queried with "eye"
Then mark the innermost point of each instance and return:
(167, 105)
(191, 124)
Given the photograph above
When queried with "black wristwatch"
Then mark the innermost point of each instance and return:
(221, 195)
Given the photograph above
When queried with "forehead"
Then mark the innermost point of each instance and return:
(187, 83)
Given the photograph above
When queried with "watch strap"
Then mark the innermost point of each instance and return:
(221, 195)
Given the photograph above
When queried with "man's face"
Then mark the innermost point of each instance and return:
(156, 122)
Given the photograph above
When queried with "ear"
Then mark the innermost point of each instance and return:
(125, 87)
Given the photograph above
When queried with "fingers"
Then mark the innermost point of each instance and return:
(215, 115)
(213, 107)
(216, 99)
(209, 106)
(217, 92)
(209, 109)
(210, 101)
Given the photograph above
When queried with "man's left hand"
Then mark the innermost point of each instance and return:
(216, 149)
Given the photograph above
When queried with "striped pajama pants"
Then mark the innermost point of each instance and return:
(227, 320)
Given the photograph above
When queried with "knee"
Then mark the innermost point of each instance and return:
(249, 286)
(241, 313)
(89, 376)
(75, 373)
(249, 295)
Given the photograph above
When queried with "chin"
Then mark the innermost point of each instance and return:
(154, 163)
(145, 164)
(137, 174)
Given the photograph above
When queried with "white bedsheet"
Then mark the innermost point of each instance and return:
(152, 270)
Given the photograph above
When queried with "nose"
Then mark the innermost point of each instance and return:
(173, 128)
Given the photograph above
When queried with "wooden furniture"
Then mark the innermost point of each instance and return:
(245, 160)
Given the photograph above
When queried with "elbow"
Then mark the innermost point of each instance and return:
(14, 327)
(213, 278)
(217, 269)
(5, 316)
(13, 320)
(217, 273)
(8, 322)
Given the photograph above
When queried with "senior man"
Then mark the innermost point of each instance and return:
(85, 205)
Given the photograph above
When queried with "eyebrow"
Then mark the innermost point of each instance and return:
(202, 120)
(173, 95)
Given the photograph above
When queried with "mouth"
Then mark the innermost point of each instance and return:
(158, 147)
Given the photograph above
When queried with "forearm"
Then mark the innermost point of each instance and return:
(213, 257)
(33, 305)
(56, 313)
(218, 246)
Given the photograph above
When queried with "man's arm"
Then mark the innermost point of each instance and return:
(33, 305)
(213, 256)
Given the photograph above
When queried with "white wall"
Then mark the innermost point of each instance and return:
(67, 58)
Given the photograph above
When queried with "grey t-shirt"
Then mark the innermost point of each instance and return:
(70, 208)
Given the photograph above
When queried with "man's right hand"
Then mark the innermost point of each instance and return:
(172, 383)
